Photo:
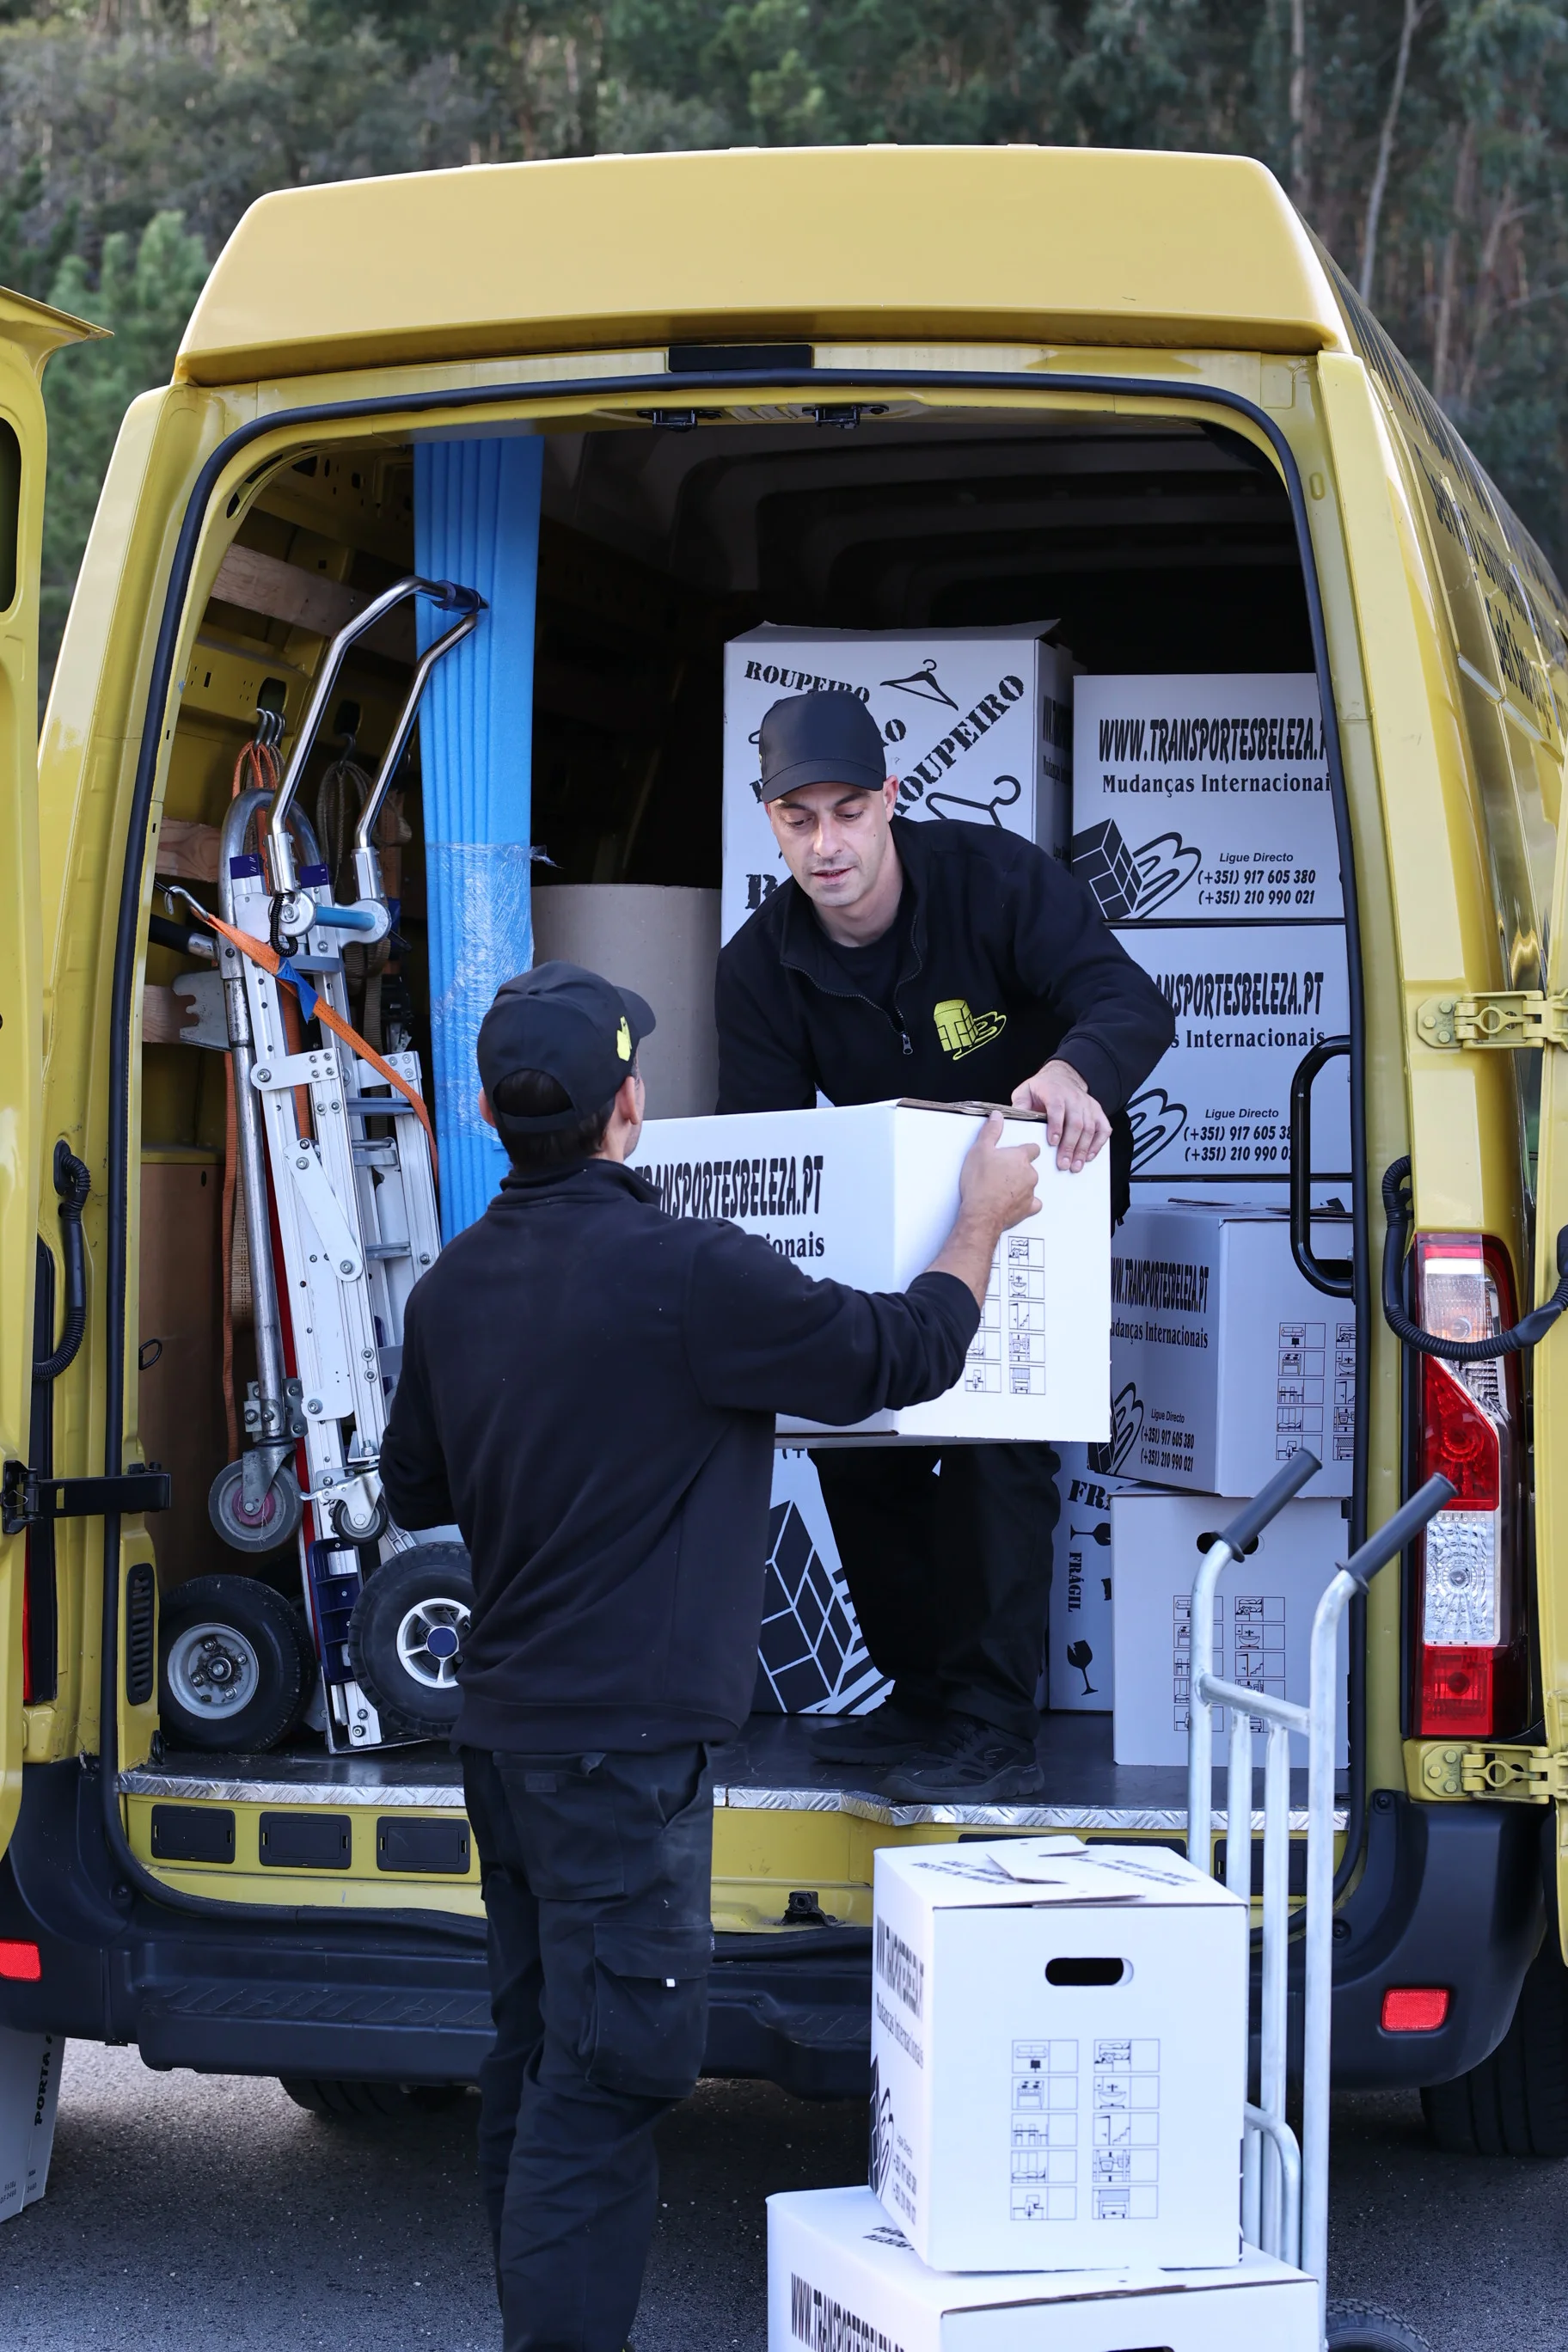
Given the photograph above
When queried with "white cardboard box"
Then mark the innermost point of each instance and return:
(1262, 1617)
(1080, 1675)
(841, 2278)
(1059, 2043)
(1203, 799)
(867, 1195)
(29, 2095)
(1249, 1003)
(977, 725)
(1224, 1358)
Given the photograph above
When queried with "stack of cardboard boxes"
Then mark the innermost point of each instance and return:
(1198, 811)
(1059, 2067)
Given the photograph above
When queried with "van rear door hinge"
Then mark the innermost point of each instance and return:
(29, 1495)
(1521, 1776)
(1500, 1018)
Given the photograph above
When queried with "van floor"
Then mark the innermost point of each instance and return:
(771, 1766)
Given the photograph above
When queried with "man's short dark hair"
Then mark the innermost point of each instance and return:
(533, 1094)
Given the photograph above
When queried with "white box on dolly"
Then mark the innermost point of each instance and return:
(867, 1196)
(1059, 2055)
(1080, 1675)
(1262, 1625)
(1223, 1357)
(977, 723)
(842, 2279)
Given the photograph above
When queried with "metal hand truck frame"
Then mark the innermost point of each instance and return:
(338, 1187)
(1285, 2185)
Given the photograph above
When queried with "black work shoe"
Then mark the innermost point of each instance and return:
(966, 1762)
(884, 1737)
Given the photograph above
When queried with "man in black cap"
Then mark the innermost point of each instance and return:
(588, 1389)
(948, 962)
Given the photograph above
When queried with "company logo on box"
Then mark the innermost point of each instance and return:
(828, 2326)
(901, 1971)
(1126, 1428)
(785, 1184)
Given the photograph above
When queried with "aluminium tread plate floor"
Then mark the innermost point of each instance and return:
(771, 1766)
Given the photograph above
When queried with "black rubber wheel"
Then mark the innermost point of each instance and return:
(346, 2103)
(1515, 2103)
(405, 1639)
(274, 1522)
(1362, 2327)
(231, 1675)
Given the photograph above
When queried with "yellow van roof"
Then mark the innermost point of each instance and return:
(973, 244)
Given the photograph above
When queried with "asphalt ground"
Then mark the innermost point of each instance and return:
(191, 2213)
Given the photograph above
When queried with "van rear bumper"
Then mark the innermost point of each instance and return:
(1450, 1895)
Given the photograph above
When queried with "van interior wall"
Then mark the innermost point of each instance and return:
(1164, 548)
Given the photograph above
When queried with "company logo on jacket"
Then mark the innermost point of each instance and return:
(958, 1031)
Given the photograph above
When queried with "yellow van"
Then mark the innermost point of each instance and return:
(845, 388)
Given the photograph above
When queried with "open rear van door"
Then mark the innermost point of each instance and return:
(1551, 1366)
(29, 332)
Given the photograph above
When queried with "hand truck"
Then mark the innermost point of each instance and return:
(339, 1182)
(1284, 2184)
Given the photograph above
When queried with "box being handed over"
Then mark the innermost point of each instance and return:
(867, 1196)
(1224, 1358)
(977, 723)
(840, 2276)
(1059, 2045)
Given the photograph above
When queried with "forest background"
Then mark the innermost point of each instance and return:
(1423, 140)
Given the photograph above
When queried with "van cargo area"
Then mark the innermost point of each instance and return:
(1165, 548)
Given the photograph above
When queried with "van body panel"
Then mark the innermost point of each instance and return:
(933, 242)
(29, 333)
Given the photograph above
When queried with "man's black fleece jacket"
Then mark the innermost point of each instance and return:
(1006, 962)
(588, 1389)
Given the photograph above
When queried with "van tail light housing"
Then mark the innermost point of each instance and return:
(1471, 1669)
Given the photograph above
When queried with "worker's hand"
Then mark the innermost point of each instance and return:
(998, 1184)
(1075, 1125)
(997, 1187)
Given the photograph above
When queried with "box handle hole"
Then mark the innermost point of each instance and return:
(1085, 1972)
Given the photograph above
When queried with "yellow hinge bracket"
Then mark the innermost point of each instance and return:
(1498, 1018)
(1521, 1776)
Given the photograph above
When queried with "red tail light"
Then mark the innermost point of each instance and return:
(1471, 1667)
(20, 1962)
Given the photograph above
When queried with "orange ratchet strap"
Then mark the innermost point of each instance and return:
(270, 961)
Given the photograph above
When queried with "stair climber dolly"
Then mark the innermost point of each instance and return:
(333, 1151)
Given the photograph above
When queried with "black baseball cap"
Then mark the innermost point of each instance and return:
(826, 737)
(579, 1030)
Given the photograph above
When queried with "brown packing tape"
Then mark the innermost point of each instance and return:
(972, 1109)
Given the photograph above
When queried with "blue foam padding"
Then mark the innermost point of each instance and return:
(476, 520)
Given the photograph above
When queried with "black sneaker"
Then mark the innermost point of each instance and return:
(884, 1737)
(966, 1762)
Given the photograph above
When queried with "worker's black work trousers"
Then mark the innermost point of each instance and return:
(595, 1876)
(947, 1555)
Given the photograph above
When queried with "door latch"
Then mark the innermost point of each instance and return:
(1500, 1019)
(1520, 1775)
(27, 1496)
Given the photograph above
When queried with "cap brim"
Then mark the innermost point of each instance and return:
(639, 1012)
(850, 773)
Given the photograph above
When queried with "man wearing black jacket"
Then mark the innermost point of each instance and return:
(948, 962)
(588, 1389)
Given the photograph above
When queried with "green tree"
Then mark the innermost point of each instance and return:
(146, 288)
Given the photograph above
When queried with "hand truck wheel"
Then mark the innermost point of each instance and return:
(405, 1639)
(231, 1670)
(274, 1522)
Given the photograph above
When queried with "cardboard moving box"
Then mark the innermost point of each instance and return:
(867, 1196)
(29, 2096)
(1204, 799)
(1249, 1003)
(841, 2278)
(811, 1656)
(1224, 1358)
(977, 724)
(1262, 1618)
(1059, 2043)
(1080, 1678)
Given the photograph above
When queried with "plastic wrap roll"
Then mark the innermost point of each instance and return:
(475, 519)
